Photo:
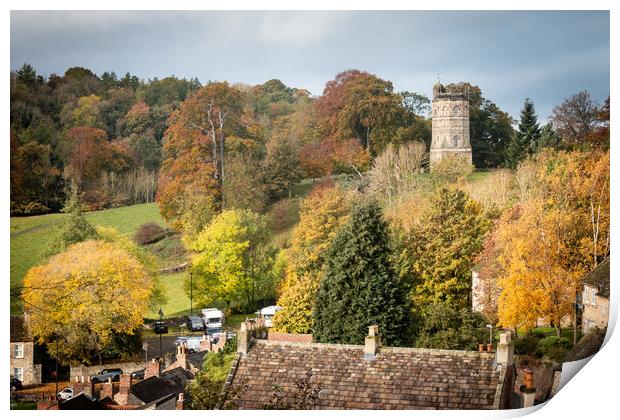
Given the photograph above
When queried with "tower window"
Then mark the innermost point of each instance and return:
(456, 111)
(455, 141)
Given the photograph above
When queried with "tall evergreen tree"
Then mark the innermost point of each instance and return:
(525, 141)
(360, 286)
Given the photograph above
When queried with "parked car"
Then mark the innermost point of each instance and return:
(160, 327)
(16, 384)
(65, 394)
(104, 374)
(139, 374)
(192, 343)
(195, 323)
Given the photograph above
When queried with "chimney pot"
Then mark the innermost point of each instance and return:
(481, 347)
(490, 348)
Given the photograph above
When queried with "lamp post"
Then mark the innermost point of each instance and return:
(191, 293)
(161, 315)
(145, 347)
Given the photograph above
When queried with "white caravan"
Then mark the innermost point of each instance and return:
(214, 320)
(268, 313)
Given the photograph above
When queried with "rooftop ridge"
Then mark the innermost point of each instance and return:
(416, 350)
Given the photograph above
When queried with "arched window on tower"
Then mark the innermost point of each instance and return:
(456, 111)
(455, 141)
(445, 111)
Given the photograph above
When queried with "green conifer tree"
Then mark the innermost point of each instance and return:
(525, 141)
(360, 286)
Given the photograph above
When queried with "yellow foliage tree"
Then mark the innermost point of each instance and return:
(84, 296)
(558, 233)
(321, 214)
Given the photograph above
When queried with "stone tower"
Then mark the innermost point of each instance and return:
(450, 125)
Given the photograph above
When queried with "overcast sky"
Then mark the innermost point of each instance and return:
(547, 56)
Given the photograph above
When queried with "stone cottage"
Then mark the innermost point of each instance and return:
(23, 366)
(595, 298)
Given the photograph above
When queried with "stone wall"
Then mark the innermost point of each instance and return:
(82, 370)
(595, 315)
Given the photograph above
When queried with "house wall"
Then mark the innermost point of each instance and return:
(595, 310)
(31, 372)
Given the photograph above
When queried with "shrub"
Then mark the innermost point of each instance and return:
(527, 344)
(29, 209)
(149, 233)
(451, 168)
(553, 347)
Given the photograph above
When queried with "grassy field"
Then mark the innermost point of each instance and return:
(30, 236)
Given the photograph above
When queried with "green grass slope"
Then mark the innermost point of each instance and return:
(30, 236)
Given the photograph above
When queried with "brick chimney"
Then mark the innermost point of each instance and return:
(505, 349)
(122, 397)
(182, 352)
(88, 387)
(107, 390)
(205, 343)
(528, 391)
(153, 368)
(180, 402)
(372, 343)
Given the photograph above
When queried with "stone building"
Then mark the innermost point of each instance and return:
(450, 125)
(23, 366)
(595, 298)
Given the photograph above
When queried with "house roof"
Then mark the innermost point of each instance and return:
(599, 277)
(154, 388)
(82, 402)
(19, 329)
(398, 378)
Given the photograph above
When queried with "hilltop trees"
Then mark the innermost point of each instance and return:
(359, 286)
(234, 260)
(85, 297)
(576, 119)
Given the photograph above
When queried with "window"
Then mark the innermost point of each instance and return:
(445, 111)
(19, 351)
(585, 294)
(455, 141)
(593, 300)
(18, 373)
(456, 111)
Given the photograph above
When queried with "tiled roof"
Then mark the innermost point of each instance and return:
(599, 277)
(288, 337)
(398, 378)
(19, 329)
(154, 388)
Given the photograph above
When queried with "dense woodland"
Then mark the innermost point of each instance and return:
(379, 239)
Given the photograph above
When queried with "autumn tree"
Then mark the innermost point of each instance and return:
(446, 327)
(234, 260)
(281, 165)
(361, 105)
(559, 232)
(243, 189)
(322, 213)
(360, 286)
(575, 119)
(439, 253)
(329, 156)
(190, 184)
(80, 299)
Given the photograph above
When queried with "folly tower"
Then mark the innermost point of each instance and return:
(450, 125)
